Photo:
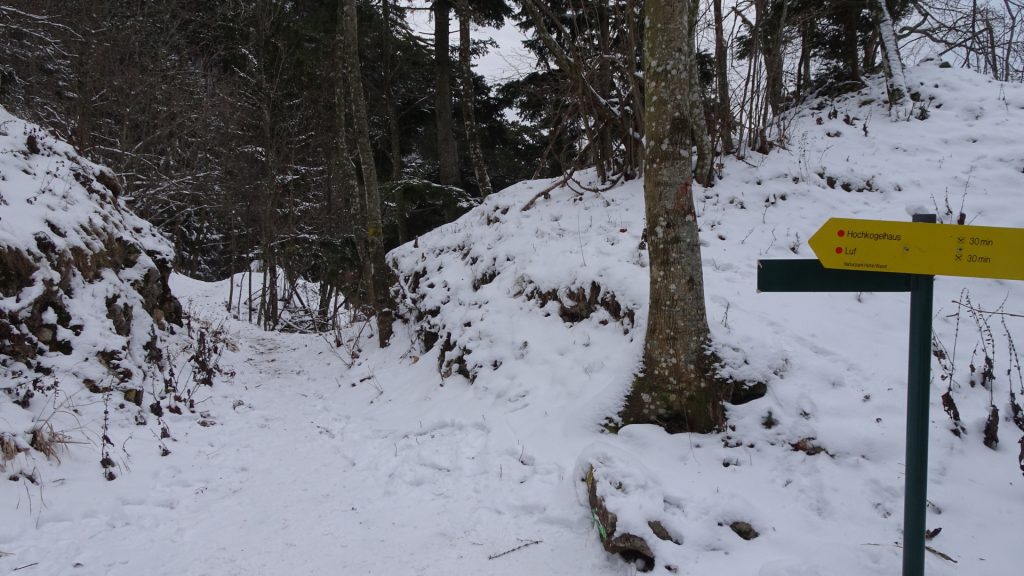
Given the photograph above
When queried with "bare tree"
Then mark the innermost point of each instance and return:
(983, 35)
(595, 51)
(724, 109)
(33, 50)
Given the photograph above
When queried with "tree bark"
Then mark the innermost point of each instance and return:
(604, 155)
(725, 122)
(850, 15)
(377, 268)
(674, 389)
(346, 184)
(634, 130)
(476, 154)
(447, 153)
(803, 68)
(704, 167)
(391, 70)
(772, 45)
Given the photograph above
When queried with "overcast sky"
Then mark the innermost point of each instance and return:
(507, 62)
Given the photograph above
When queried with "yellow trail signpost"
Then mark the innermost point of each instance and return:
(920, 248)
(881, 256)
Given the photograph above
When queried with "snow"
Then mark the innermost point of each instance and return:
(75, 257)
(314, 463)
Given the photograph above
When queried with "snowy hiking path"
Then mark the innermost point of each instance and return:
(312, 468)
(320, 469)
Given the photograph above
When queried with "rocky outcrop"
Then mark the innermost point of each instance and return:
(84, 295)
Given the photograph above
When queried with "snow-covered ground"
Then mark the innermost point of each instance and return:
(306, 462)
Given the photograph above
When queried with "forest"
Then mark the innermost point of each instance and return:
(316, 288)
(268, 131)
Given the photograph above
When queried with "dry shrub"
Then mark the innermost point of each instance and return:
(8, 449)
(991, 438)
(48, 441)
(1020, 459)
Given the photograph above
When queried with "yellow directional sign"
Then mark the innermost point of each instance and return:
(920, 248)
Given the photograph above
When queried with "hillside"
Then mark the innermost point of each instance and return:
(91, 337)
(463, 446)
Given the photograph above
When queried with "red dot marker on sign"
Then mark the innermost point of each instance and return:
(841, 233)
(839, 250)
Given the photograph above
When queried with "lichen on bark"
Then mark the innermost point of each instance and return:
(674, 388)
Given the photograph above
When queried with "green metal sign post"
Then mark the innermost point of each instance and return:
(918, 384)
(811, 276)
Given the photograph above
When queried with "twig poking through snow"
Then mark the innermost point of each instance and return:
(517, 548)
(997, 312)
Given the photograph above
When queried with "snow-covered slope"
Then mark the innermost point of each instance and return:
(468, 456)
(85, 308)
(836, 363)
(815, 466)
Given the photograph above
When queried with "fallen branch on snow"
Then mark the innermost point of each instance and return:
(517, 548)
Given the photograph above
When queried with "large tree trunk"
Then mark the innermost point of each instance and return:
(447, 153)
(378, 272)
(476, 154)
(673, 390)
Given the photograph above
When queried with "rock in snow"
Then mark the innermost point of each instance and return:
(85, 306)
